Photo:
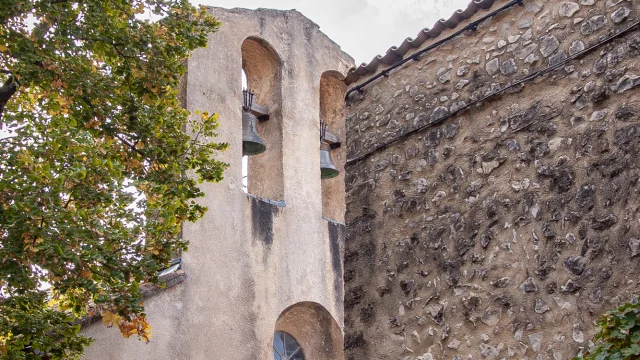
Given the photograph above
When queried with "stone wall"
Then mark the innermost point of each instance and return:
(506, 229)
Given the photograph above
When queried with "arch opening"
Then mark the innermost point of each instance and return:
(332, 109)
(315, 330)
(262, 69)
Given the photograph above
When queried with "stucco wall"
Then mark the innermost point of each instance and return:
(249, 260)
(505, 230)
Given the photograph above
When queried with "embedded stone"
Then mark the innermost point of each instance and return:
(620, 15)
(462, 70)
(439, 113)
(422, 185)
(444, 75)
(526, 51)
(488, 167)
(599, 115)
(436, 312)
(533, 58)
(502, 282)
(508, 67)
(575, 264)
(420, 119)
(384, 120)
(416, 337)
(457, 106)
(425, 356)
(604, 222)
(563, 305)
(596, 296)
(600, 94)
(634, 246)
(485, 239)
(454, 344)
(548, 44)
(513, 145)
(557, 58)
(501, 44)
(527, 35)
(570, 286)
(593, 24)
(529, 286)
(568, 9)
(525, 23)
(589, 87)
(450, 131)
(600, 66)
(541, 307)
(587, 2)
(461, 84)
(407, 286)
(535, 340)
(439, 196)
(612, 3)
(491, 316)
(513, 38)
(586, 197)
(577, 334)
(627, 82)
(576, 47)
(493, 67)
(488, 351)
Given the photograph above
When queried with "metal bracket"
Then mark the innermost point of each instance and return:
(333, 140)
(261, 112)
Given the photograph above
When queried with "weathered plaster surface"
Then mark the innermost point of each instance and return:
(506, 230)
(248, 260)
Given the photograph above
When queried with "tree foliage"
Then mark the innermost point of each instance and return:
(618, 336)
(98, 173)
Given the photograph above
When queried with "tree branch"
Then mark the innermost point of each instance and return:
(6, 92)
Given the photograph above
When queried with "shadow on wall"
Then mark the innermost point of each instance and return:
(314, 329)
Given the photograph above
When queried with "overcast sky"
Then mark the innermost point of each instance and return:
(363, 28)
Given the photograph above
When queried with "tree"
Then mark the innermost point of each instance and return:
(618, 336)
(97, 173)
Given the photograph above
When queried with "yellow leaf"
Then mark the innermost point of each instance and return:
(3, 48)
(87, 274)
(109, 318)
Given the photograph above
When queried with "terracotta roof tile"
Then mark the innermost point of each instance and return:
(396, 53)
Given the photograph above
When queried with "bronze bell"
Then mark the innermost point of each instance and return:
(328, 169)
(252, 144)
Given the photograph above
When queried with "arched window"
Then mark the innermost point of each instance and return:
(285, 347)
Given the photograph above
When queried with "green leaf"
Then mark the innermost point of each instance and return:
(96, 110)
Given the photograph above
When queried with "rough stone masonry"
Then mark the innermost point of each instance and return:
(504, 230)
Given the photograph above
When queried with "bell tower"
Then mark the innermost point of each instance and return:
(264, 265)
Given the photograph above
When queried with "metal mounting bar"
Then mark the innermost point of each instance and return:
(261, 112)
